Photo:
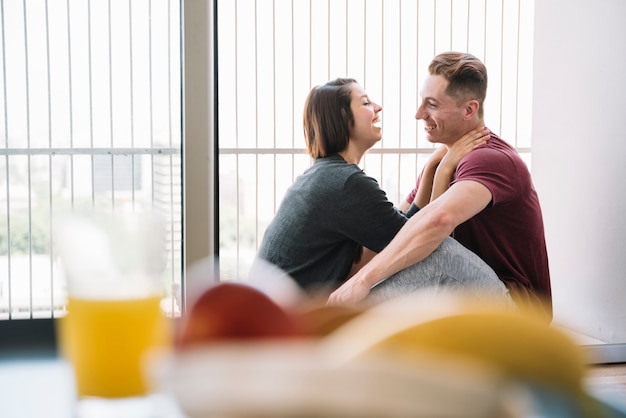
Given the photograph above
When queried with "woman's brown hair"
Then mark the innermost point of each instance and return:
(328, 117)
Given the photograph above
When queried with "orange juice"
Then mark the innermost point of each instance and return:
(106, 342)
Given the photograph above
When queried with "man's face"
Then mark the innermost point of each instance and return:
(444, 120)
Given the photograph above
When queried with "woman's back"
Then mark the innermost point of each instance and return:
(329, 212)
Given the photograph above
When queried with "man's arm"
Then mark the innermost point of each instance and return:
(441, 165)
(366, 257)
(417, 239)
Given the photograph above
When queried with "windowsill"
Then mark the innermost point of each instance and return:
(28, 337)
(31, 338)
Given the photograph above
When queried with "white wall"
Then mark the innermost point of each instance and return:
(579, 159)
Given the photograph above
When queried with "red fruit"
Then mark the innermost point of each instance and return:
(231, 311)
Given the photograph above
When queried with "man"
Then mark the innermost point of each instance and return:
(491, 206)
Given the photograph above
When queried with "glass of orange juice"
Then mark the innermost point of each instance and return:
(114, 324)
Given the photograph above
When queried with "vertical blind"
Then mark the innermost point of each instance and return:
(89, 118)
(90, 111)
(272, 52)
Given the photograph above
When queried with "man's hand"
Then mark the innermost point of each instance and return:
(351, 292)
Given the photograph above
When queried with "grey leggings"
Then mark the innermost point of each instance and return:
(450, 267)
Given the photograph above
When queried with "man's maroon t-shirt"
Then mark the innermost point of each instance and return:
(508, 234)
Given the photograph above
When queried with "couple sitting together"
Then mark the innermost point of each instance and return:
(473, 222)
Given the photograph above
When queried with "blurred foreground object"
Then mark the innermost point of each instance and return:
(519, 344)
(114, 323)
(426, 355)
(231, 312)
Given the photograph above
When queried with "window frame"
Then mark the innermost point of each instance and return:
(37, 335)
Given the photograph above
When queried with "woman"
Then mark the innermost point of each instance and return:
(334, 210)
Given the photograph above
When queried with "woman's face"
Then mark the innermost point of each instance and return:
(367, 124)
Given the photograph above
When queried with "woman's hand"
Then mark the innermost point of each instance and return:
(436, 157)
(463, 146)
(444, 173)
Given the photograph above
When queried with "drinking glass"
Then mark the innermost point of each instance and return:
(114, 324)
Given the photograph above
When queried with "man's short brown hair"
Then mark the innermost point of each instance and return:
(466, 75)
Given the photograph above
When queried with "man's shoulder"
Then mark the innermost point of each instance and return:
(497, 144)
(492, 151)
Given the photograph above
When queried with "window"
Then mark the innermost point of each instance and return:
(90, 111)
(89, 117)
(270, 54)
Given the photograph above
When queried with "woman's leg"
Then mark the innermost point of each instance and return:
(450, 267)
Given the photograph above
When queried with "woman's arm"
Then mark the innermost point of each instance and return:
(425, 189)
(445, 169)
(439, 169)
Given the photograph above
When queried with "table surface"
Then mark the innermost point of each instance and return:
(42, 385)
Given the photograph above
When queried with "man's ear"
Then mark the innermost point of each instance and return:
(471, 109)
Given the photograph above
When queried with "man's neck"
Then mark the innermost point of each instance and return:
(479, 125)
